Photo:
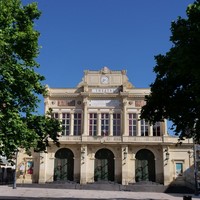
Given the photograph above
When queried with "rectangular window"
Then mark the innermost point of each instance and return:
(65, 123)
(54, 115)
(104, 124)
(156, 129)
(116, 124)
(77, 123)
(144, 128)
(93, 124)
(132, 119)
(179, 169)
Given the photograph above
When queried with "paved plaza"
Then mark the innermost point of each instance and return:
(7, 192)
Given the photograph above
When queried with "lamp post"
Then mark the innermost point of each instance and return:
(196, 151)
(15, 171)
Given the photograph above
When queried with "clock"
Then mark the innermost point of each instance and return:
(104, 79)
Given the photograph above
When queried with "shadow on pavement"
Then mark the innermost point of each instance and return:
(68, 198)
(78, 187)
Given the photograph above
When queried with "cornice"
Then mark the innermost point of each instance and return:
(84, 94)
(96, 95)
(124, 94)
(113, 95)
(64, 95)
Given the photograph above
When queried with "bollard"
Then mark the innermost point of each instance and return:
(187, 197)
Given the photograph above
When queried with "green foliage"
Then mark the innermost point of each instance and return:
(175, 93)
(20, 85)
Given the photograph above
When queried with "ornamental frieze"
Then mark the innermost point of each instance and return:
(140, 103)
(63, 103)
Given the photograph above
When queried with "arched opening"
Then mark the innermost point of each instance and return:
(104, 165)
(64, 165)
(145, 166)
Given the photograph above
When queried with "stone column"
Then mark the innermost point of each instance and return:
(150, 130)
(60, 119)
(71, 123)
(164, 127)
(111, 124)
(60, 115)
(83, 165)
(125, 124)
(99, 124)
(138, 125)
(85, 117)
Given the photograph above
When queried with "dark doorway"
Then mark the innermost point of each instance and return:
(64, 165)
(104, 165)
(145, 166)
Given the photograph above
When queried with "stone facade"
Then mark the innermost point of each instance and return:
(104, 140)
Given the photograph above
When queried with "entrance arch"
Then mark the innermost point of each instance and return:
(104, 165)
(145, 166)
(64, 165)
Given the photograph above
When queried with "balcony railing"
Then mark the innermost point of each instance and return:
(122, 139)
(70, 138)
(102, 139)
(145, 139)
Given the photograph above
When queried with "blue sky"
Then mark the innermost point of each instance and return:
(78, 35)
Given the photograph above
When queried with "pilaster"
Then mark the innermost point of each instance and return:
(125, 161)
(111, 124)
(166, 163)
(85, 116)
(60, 119)
(164, 129)
(138, 125)
(150, 130)
(42, 167)
(72, 123)
(83, 165)
(99, 124)
(125, 131)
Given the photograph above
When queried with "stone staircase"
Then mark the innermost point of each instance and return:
(112, 186)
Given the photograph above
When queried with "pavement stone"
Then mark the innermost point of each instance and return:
(31, 193)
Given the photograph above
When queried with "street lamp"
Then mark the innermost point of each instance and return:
(196, 158)
(15, 171)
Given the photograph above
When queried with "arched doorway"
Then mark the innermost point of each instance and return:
(145, 166)
(104, 165)
(64, 165)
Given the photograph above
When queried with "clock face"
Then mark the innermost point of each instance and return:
(104, 79)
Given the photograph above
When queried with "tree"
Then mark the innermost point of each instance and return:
(175, 93)
(20, 85)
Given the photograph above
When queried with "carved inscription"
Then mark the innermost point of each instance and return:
(104, 90)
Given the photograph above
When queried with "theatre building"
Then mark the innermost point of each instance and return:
(104, 139)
